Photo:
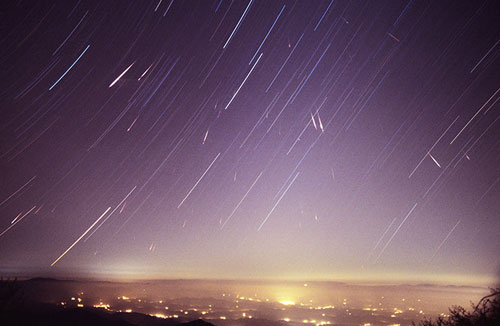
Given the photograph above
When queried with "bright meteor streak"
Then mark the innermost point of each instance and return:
(80, 238)
(17, 220)
(121, 75)
(435, 161)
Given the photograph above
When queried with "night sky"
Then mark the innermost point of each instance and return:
(251, 139)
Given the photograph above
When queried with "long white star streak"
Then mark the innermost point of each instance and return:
(114, 210)
(268, 32)
(298, 164)
(168, 8)
(484, 57)
(480, 109)
(442, 242)
(17, 220)
(197, 182)
(383, 235)
(74, 29)
(121, 75)
(74, 63)
(395, 232)
(18, 190)
(237, 91)
(276, 204)
(323, 16)
(238, 24)
(241, 201)
(80, 238)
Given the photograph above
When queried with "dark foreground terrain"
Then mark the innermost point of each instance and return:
(25, 303)
(16, 308)
(45, 314)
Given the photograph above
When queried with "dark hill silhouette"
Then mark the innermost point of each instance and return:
(198, 322)
(17, 309)
(45, 314)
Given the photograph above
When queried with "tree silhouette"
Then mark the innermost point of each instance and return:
(485, 313)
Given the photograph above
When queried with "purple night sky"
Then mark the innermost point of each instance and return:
(251, 139)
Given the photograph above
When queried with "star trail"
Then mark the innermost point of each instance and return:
(251, 139)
